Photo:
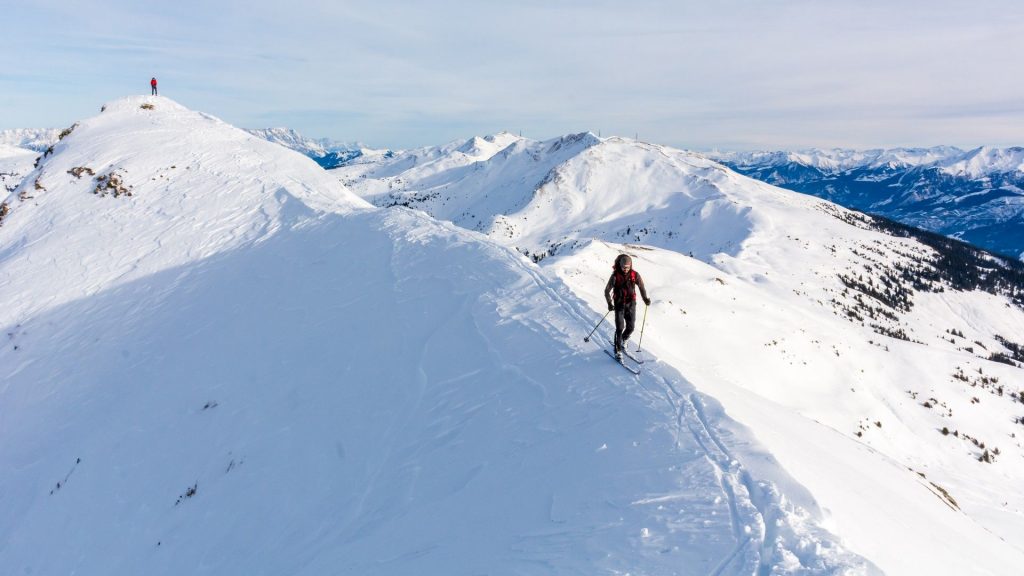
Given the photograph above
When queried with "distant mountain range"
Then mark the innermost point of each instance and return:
(973, 195)
(37, 139)
(976, 196)
(326, 152)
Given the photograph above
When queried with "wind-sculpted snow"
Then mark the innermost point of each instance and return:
(369, 394)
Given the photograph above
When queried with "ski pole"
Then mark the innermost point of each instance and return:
(642, 324)
(587, 339)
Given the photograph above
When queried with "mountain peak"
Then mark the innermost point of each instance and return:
(153, 171)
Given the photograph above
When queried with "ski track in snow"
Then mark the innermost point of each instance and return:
(752, 525)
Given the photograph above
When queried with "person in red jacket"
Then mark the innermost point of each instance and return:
(620, 292)
(152, 84)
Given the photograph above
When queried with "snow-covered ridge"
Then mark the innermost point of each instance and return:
(767, 296)
(975, 163)
(246, 369)
(218, 360)
(159, 185)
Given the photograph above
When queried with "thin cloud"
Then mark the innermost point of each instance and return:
(680, 73)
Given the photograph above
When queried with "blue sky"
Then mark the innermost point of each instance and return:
(728, 74)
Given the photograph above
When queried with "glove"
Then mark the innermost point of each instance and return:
(647, 301)
(611, 307)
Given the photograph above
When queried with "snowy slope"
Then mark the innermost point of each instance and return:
(130, 192)
(15, 163)
(239, 368)
(845, 350)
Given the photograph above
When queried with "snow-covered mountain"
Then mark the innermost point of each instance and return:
(975, 195)
(15, 163)
(219, 360)
(326, 152)
(36, 139)
(879, 364)
(19, 149)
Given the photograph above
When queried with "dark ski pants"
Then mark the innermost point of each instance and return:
(625, 321)
(153, 91)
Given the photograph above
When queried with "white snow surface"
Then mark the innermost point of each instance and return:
(15, 163)
(750, 308)
(243, 368)
(197, 187)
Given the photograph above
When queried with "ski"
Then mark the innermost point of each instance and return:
(636, 359)
(634, 371)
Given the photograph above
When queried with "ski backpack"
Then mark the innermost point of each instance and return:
(624, 285)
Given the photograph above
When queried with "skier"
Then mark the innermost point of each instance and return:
(620, 292)
(152, 85)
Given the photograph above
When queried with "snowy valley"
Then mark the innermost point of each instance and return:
(220, 358)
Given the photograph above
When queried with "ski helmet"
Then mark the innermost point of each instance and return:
(622, 260)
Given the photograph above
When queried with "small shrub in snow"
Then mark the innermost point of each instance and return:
(5, 209)
(111, 184)
(77, 171)
(147, 106)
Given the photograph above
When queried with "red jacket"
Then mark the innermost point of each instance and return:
(153, 82)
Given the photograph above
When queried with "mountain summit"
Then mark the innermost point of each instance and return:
(145, 186)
